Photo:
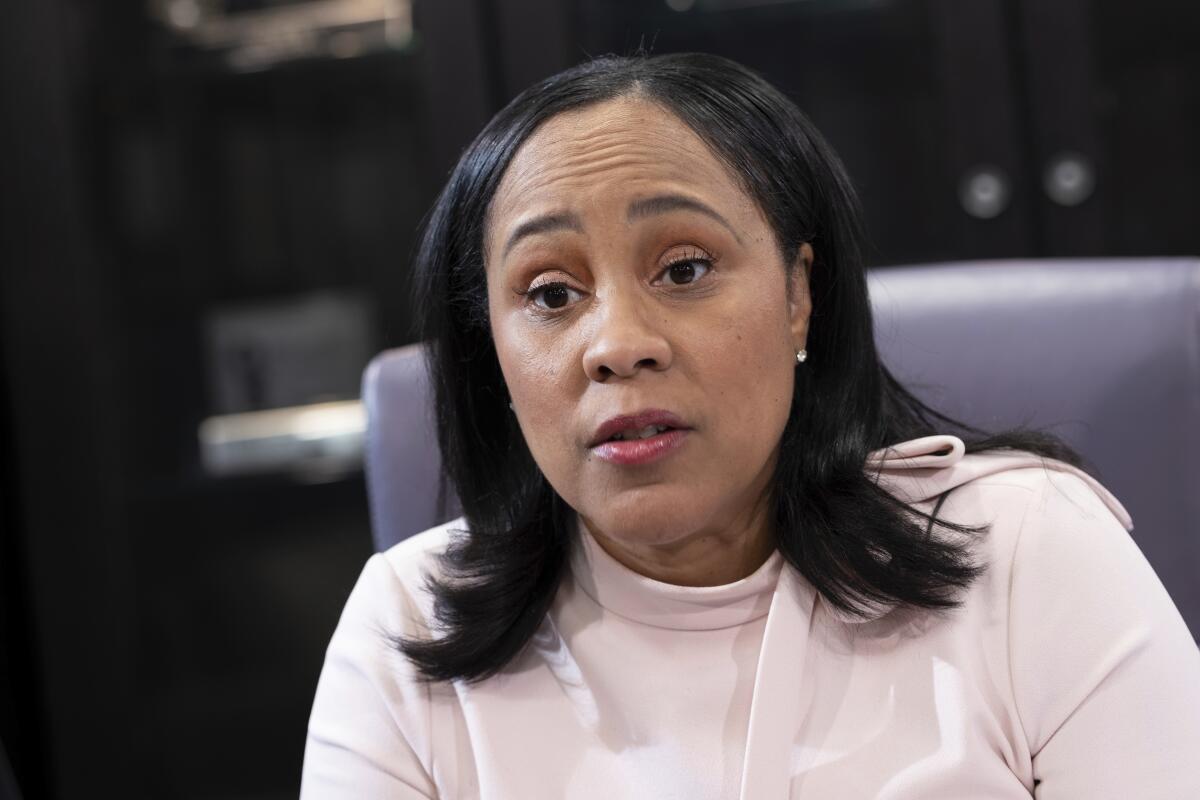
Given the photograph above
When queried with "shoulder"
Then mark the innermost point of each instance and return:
(1026, 499)
(1092, 653)
(1074, 539)
(394, 583)
(1055, 534)
(1071, 513)
(1066, 587)
(984, 486)
(1068, 535)
(372, 720)
(1049, 533)
(389, 602)
(419, 555)
(1087, 617)
(1043, 478)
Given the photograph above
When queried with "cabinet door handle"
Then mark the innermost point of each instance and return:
(984, 191)
(1069, 179)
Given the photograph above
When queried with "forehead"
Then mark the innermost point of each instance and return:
(618, 147)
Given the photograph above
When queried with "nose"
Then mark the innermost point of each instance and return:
(625, 339)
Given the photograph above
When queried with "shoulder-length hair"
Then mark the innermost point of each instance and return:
(854, 542)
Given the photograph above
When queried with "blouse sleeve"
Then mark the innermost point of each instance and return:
(1105, 673)
(368, 718)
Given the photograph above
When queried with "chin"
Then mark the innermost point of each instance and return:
(648, 516)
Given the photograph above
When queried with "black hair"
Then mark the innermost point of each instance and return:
(853, 541)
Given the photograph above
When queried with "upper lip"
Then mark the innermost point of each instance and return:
(636, 421)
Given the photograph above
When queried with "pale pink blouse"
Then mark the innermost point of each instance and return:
(1066, 673)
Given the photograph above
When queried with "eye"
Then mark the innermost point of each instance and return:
(552, 296)
(686, 270)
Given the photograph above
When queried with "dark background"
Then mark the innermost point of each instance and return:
(162, 628)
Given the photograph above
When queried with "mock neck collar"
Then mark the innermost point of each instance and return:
(620, 590)
(914, 471)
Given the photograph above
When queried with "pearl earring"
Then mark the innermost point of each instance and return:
(801, 355)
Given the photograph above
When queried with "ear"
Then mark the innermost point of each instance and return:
(800, 299)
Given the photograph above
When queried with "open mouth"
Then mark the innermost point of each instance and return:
(639, 433)
(646, 426)
(638, 446)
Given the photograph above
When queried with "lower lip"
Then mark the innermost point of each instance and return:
(641, 451)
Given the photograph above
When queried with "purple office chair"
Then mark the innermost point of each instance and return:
(1105, 353)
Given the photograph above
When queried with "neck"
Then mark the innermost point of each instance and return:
(709, 557)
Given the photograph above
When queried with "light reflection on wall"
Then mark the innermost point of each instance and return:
(269, 33)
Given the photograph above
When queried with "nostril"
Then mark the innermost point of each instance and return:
(649, 363)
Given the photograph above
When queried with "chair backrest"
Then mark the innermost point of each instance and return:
(1105, 353)
(403, 463)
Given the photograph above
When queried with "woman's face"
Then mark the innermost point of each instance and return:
(628, 272)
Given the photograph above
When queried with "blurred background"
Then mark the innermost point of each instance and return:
(209, 212)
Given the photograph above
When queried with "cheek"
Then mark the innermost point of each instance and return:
(535, 369)
(752, 375)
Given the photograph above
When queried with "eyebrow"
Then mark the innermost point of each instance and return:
(544, 224)
(638, 209)
(666, 203)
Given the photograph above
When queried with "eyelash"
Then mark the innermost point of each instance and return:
(699, 257)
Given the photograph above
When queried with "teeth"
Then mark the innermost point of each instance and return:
(646, 432)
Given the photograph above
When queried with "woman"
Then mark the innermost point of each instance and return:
(711, 548)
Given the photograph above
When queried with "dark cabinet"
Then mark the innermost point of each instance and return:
(988, 129)
(1115, 88)
(163, 628)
